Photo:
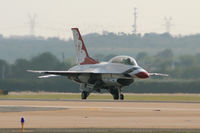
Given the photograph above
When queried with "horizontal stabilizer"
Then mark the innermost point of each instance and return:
(48, 76)
(34, 71)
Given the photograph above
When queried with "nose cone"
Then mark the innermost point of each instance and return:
(142, 75)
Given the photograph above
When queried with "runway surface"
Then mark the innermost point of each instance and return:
(99, 114)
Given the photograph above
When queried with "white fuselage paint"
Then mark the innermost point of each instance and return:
(104, 67)
(110, 72)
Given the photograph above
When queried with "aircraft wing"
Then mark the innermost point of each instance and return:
(57, 73)
(49, 74)
(100, 69)
(158, 74)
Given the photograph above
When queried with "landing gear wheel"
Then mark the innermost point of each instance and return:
(84, 94)
(114, 93)
(115, 96)
(121, 97)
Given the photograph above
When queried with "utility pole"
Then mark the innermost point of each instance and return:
(32, 23)
(63, 57)
(3, 71)
(135, 20)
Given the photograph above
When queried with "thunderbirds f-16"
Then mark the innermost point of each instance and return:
(92, 75)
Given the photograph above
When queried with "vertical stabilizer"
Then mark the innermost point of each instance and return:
(81, 51)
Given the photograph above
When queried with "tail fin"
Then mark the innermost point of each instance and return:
(81, 51)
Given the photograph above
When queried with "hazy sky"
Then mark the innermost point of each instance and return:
(56, 17)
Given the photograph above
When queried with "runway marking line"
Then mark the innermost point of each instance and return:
(104, 107)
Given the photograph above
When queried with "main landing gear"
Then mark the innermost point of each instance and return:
(116, 93)
(121, 96)
(85, 90)
(84, 94)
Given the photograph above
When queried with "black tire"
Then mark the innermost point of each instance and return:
(114, 93)
(84, 95)
(121, 97)
(116, 96)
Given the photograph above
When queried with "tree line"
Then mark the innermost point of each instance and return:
(118, 43)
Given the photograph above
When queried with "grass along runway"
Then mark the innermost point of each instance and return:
(95, 96)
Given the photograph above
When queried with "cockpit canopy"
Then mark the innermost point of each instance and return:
(127, 60)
